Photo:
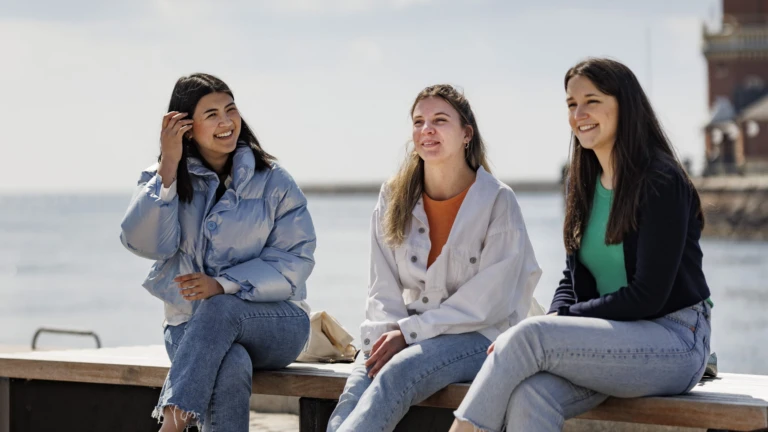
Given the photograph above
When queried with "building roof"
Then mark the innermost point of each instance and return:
(722, 112)
(757, 110)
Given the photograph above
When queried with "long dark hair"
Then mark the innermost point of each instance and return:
(406, 186)
(186, 94)
(640, 140)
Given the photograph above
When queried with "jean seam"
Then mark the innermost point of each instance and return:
(421, 378)
(271, 315)
(246, 318)
(635, 352)
(679, 321)
(624, 354)
(705, 357)
(296, 313)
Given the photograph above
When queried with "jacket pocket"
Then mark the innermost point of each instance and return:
(410, 267)
(463, 265)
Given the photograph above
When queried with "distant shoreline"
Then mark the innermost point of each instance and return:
(373, 188)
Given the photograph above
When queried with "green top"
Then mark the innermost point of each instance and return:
(605, 262)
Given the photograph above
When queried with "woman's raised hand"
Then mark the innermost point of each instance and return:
(175, 125)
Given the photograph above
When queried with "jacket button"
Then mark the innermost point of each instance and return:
(472, 260)
(422, 230)
(367, 341)
(414, 259)
(425, 299)
(211, 225)
(413, 335)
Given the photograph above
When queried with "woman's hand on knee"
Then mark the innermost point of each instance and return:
(388, 344)
(198, 286)
(490, 348)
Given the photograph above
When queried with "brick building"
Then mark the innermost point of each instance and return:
(737, 64)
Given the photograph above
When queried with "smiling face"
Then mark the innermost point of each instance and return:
(592, 114)
(438, 134)
(216, 125)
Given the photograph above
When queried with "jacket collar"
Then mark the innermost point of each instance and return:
(485, 185)
(243, 166)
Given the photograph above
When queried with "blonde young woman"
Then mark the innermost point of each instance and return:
(451, 268)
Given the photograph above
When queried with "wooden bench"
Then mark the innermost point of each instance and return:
(116, 388)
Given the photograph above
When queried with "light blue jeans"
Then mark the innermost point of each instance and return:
(412, 375)
(547, 369)
(213, 356)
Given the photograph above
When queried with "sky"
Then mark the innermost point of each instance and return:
(326, 84)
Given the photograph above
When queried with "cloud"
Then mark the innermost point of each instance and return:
(340, 6)
(364, 53)
(72, 11)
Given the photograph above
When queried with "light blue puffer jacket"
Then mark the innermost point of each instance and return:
(259, 234)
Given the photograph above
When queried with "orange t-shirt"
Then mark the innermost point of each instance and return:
(440, 216)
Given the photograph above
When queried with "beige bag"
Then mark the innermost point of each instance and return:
(329, 342)
(536, 309)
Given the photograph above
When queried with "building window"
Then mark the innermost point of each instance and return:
(721, 71)
(754, 82)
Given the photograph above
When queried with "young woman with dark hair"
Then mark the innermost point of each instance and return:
(233, 245)
(631, 316)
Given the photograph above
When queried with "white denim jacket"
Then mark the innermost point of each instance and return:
(483, 280)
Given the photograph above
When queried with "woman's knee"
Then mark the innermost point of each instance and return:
(398, 373)
(218, 308)
(219, 303)
(525, 332)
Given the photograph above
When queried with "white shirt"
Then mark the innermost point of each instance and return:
(483, 280)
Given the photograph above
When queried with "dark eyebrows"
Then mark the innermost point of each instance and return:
(436, 114)
(570, 98)
(214, 109)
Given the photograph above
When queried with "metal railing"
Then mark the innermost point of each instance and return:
(65, 332)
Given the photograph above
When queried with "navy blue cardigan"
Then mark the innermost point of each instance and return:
(662, 258)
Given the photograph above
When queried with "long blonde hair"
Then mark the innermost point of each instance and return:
(406, 187)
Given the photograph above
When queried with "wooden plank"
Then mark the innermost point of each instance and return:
(151, 355)
(732, 401)
(47, 370)
(683, 413)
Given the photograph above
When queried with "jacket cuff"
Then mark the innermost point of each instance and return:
(154, 190)
(167, 194)
(413, 332)
(371, 332)
(557, 306)
(230, 287)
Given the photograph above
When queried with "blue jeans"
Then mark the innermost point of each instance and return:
(410, 376)
(213, 356)
(547, 369)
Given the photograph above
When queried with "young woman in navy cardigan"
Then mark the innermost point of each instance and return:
(631, 316)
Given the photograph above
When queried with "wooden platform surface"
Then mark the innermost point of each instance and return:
(731, 401)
